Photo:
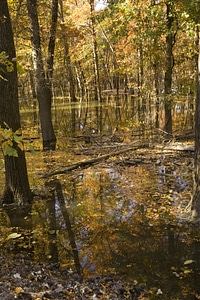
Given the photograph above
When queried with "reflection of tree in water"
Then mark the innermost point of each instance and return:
(120, 235)
(57, 195)
(147, 252)
(20, 225)
(41, 232)
(121, 227)
(51, 225)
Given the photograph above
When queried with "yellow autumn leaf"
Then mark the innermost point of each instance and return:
(18, 290)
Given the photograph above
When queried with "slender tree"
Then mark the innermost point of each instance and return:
(17, 188)
(52, 42)
(195, 207)
(43, 84)
(68, 64)
(169, 64)
(95, 54)
(67, 55)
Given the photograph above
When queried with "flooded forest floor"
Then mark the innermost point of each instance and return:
(137, 243)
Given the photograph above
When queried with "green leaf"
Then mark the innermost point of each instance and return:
(20, 69)
(10, 151)
(18, 132)
(188, 262)
(7, 133)
(32, 150)
(20, 146)
(14, 235)
(17, 138)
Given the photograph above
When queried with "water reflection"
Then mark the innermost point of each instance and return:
(111, 218)
(122, 221)
(125, 111)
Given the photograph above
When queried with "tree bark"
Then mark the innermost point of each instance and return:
(17, 188)
(67, 56)
(168, 69)
(195, 206)
(97, 86)
(69, 69)
(52, 41)
(43, 86)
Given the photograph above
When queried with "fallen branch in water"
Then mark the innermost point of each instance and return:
(96, 160)
(175, 147)
(93, 161)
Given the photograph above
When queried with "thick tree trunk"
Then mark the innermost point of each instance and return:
(168, 69)
(17, 188)
(43, 86)
(195, 207)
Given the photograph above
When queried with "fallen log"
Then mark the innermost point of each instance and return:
(90, 150)
(176, 147)
(93, 161)
(96, 160)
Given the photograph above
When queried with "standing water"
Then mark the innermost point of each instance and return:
(125, 215)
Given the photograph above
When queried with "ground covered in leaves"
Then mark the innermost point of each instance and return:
(21, 279)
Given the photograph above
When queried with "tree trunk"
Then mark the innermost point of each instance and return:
(195, 207)
(52, 42)
(97, 85)
(17, 188)
(67, 56)
(157, 102)
(115, 63)
(168, 70)
(43, 86)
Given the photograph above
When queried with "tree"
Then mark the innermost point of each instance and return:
(192, 10)
(68, 66)
(195, 207)
(43, 84)
(17, 188)
(67, 55)
(97, 85)
(169, 64)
